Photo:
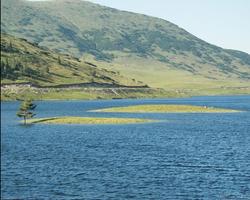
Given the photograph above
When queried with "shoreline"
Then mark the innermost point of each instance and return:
(21, 91)
(136, 98)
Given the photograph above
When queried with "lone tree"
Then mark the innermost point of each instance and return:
(26, 110)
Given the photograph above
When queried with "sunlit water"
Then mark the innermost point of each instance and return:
(187, 156)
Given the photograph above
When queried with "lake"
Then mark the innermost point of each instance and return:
(185, 156)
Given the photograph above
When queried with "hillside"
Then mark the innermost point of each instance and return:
(29, 71)
(144, 48)
(22, 61)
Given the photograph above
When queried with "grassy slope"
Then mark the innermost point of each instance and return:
(47, 68)
(166, 109)
(152, 50)
(181, 81)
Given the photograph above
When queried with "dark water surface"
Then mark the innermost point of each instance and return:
(189, 156)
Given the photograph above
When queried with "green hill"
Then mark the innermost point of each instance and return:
(22, 61)
(144, 48)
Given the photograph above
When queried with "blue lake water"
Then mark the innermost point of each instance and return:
(187, 156)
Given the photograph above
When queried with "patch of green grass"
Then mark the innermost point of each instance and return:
(88, 120)
(167, 109)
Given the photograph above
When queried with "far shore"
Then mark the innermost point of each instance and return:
(15, 92)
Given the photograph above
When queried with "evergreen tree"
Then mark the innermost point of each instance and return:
(3, 69)
(26, 110)
(10, 45)
(59, 60)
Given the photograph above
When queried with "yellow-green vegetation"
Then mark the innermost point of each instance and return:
(163, 108)
(161, 75)
(88, 120)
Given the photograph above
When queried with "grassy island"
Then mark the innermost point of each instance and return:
(87, 120)
(163, 108)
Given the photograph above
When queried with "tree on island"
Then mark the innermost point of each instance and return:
(26, 110)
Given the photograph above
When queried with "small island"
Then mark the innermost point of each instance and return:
(87, 120)
(166, 108)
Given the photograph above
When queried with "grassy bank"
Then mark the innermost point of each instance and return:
(166, 109)
(11, 94)
(87, 120)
